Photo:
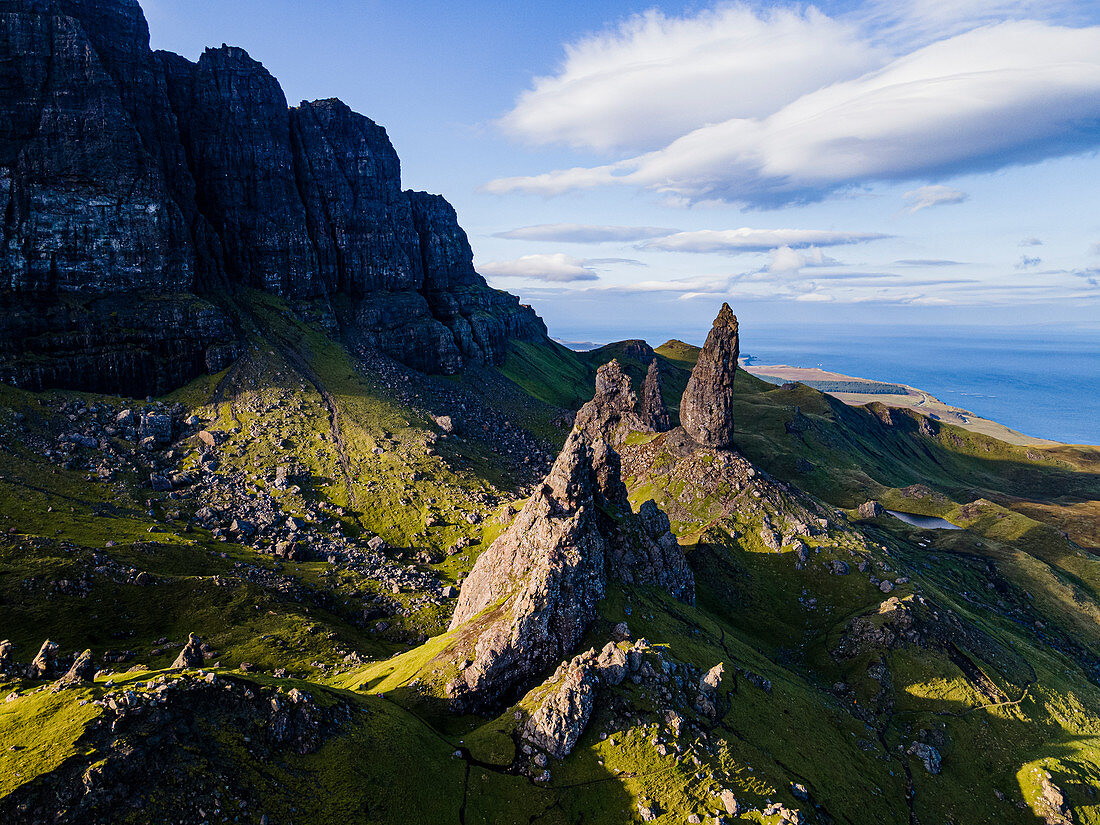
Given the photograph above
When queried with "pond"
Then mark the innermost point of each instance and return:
(924, 522)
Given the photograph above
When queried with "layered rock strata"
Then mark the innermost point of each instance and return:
(128, 176)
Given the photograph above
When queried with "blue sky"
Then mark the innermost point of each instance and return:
(625, 166)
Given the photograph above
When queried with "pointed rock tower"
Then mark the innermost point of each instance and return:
(706, 410)
(613, 411)
(654, 413)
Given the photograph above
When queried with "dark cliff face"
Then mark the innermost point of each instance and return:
(125, 172)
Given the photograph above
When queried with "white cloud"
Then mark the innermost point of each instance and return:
(1027, 262)
(1015, 92)
(1031, 242)
(788, 262)
(935, 195)
(654, 78)
(735, 241)
(583, 233)
(554, 268)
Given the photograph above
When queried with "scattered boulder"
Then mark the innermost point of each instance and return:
(871, 509)
(729, 802)
(928, 755)
(447, 423)
(44, 665)
(157, 426)
(83, 670)
(561, 718)
(712, 679)
(706, 409)
(7, 657)
(191, 655)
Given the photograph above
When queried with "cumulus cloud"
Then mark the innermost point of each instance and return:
(583, 233)
(1015, 92)
(935, 195)
(789, 262)
(1031, 242)
(1026, 262)
(735, 241)
(655, 78)
(554, 268)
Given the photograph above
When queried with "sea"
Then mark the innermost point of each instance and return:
(1043, 382)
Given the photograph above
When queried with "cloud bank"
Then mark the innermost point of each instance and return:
(583, 233)
(735, 241)
(555, 268)
(1014, 92)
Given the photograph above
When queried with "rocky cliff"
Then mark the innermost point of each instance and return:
(128, 175)
(533, 593)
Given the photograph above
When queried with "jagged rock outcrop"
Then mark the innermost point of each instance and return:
(613, 411)
(533, 593)
(119, 188)
(706, 409)
(654, 413)
(7, 657)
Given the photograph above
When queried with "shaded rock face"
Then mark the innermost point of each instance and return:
(613, 411)
(534, 592)
(654, 413)
(706, 409)
(132, 175)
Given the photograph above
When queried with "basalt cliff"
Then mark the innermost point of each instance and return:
(138, 188)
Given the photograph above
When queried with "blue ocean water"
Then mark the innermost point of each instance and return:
(1043, 382)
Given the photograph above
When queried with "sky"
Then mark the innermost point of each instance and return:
(626, 166)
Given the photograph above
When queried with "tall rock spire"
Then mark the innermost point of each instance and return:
(654, 412)
(706, 410)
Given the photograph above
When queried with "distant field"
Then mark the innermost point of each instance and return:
(864, 387)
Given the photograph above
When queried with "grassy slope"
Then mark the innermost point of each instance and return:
(751, 612)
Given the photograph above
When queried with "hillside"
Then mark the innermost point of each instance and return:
(301, 522)
(940, 672)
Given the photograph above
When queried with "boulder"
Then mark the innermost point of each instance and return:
(712, 679)
(191, 655)
(44, 665)
(562, 715)
(871, 509)
(706, 408)
(928, 755)
(7, 657)
(82, 670)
